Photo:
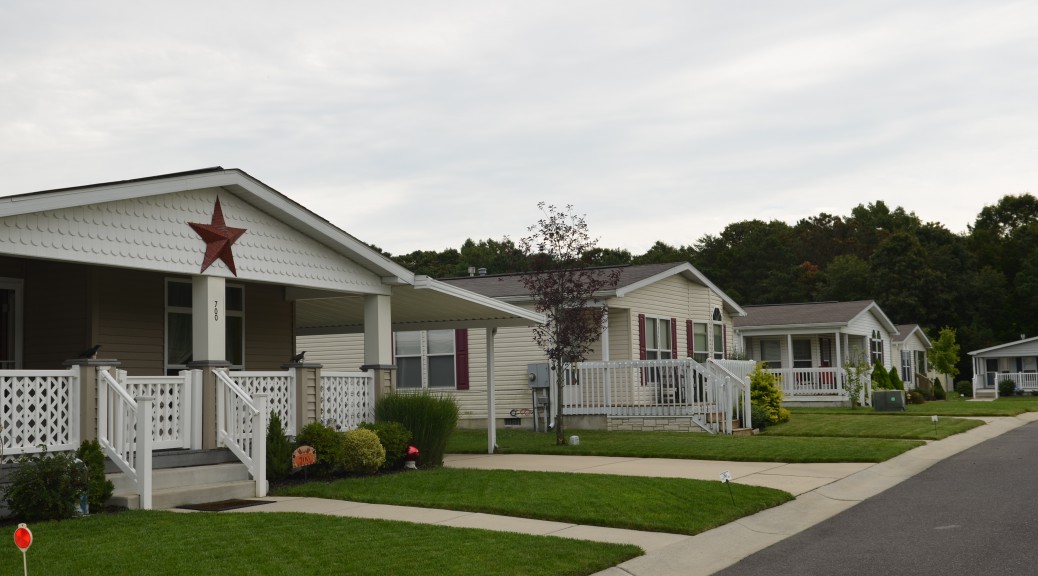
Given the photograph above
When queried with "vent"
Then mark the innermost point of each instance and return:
(513, 421)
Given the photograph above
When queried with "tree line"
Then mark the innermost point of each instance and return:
(983, 282)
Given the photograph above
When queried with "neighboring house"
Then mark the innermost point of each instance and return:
(657, 311)
(1016, 361)
(807, 345)
(184, 279)
(909, 349)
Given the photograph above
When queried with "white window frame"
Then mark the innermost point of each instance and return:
(424, 355)
(700, 335)
(876, 348)
(777, 364)
(174, 368)
(718, 332)
(799, 361)
(659, 330)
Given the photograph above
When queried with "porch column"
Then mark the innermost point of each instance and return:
(789, 352)
(85, 415)
(208, 345)
(605, 334)
(307, 395)
(491, 408)
(378, 343)
(839, 352)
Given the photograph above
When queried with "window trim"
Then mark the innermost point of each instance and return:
(189, 311)
(458, 379)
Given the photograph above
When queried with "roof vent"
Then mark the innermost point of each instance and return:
(482, 271)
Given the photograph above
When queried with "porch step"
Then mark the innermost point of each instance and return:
(742, 431)
(984, 394)
(174, 487)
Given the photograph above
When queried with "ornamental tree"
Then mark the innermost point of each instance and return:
(945, 353)
(563, 288)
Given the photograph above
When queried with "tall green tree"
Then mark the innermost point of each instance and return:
(944, 355)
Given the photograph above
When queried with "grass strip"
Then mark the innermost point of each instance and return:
(1010, 406)
(672, 505)
(273, 544)
(867, 426)
(761, 448)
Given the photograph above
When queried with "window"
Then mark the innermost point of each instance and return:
(718, 334)
(658, 343)
(10, 323)
(801, 353)
(426, 359)
(699, 343)
(179, 345)
(771, 353)
(825, 352)
(876, 347)
(906, 366)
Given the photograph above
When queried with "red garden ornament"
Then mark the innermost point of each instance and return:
(23, 539)
(410, 457)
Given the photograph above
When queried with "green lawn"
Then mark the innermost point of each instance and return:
(761, 448)
(1012, 406)
(269, 544)
(870, 426)
(655, 504)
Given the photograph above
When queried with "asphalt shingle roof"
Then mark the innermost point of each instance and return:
(510, 285)
(801, 314)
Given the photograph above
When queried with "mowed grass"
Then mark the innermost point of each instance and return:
(867, 426)
(677, 506)
(1009, 406)
(761, 448)
(273, 544)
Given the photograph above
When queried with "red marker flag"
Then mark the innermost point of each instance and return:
(22, 538)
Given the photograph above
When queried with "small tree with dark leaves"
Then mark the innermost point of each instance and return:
(563, 288)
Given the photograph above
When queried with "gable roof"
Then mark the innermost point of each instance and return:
(510, 288)
(811, 314)
(906, 330)
(1003, 347)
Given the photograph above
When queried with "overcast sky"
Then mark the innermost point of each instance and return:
(416, 125)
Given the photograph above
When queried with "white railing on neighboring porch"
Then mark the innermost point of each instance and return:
(241, 426)
(347, 398)
(1026, 381)
(810, 382)
(711, 396)
(124, 431)
(39, 407)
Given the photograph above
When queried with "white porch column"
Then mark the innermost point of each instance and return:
(789, 353)
(378, 343)
(605, 335)
(839, 352)
(491, 408)
(208, 319)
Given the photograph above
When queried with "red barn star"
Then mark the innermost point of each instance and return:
(218, 238)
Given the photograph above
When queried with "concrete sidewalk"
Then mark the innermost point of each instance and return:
(822, 491)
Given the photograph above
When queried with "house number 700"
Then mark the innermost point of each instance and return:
(216, 310)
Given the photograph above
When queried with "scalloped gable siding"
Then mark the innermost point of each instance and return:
(153, 233)
(672, 297)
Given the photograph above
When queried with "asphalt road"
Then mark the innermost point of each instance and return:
(973, 513)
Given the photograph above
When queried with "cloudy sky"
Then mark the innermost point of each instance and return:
(418, 124)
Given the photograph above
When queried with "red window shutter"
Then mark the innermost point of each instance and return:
(461, 358)
(641, 336)
(689, 341)
(674, 338)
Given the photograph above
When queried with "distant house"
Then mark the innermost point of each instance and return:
(657, 311)
(910, 348)
(808, 345)
(1016, 361)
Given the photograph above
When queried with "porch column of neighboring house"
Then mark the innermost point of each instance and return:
(491, 408)
(308, 393)
(208, 345)
(789, 353)
(839, 355)
(605, 334)
(378, 342)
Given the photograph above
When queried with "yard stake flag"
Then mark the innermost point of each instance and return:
(23, 539)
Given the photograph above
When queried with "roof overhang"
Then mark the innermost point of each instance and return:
(688, 271)
(427, 305)
(1002, 347)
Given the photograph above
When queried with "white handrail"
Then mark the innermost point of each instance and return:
(126, 436)
(250, 448)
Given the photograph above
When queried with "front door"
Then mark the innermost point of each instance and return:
(991, 368)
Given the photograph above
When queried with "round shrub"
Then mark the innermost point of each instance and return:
(395, 439)
(938, 391)
(46, 487)
(326, 442)
(1006, 387)
(362, 452)
(964, 388)
(766, 393)
(916, 397)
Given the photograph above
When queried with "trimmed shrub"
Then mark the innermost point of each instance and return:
(46, 487)
(395, 439)
(916, 397)
(1006, 387)
(279, 449)
(100, 488)
(430, 418)
(362, 452)
(326, 441)
(895, 380)
(964, 388)
(758, 417)
(938, 391)
(880, 378)
(766, 393)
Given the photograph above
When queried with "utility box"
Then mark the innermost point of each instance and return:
(888, 400)
(539, 375)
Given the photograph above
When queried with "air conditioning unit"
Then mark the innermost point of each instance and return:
(888, 400)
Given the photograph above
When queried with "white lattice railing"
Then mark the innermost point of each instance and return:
(280, 388)
(39, 407)
(177, 407)
(654, 388)
(347, 398)
(124, 432)
(241, 426)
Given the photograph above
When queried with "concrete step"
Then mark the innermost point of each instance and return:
(173, 487)
(742, 431)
